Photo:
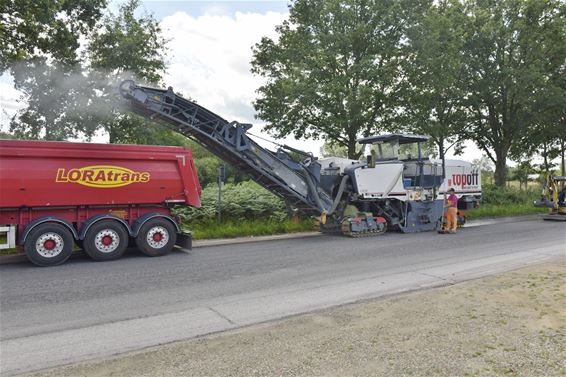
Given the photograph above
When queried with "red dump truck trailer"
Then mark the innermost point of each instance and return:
(98, 196)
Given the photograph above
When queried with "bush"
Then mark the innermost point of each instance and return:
(506, 201)
(247, 210)
(505, 196)
(246, 201)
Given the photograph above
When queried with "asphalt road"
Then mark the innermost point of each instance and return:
(83, 309)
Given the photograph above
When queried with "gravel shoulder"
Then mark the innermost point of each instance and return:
(513, 324)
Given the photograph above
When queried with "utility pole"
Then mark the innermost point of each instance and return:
(221, 177)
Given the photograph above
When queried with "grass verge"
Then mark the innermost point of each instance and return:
(503, 210)
(248, 228)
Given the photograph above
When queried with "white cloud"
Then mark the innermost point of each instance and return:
(210, 62)
(215, 10)
(210, 58)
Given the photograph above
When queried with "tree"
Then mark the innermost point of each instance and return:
(330, 149)
(545, 138)
(433, 91)
(521, 173)
(547, 135)
(128, 45)
(562, 144)
(5, 135)
(125, 47)
(76, 101)
(333, 71)
(506, 54)
(54, 94)
(39, 28)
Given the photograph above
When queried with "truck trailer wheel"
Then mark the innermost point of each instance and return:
(156, 237)
(105, 240)
(49, 244)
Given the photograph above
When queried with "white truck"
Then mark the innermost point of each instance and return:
(465, 178)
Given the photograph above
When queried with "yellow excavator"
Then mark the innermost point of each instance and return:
(554, 198)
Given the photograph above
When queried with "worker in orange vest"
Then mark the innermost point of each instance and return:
(452, 212)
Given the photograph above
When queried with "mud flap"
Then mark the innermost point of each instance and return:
(185, 240)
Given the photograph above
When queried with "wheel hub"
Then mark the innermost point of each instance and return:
(157, 237)
(49, 245)
(107, 240)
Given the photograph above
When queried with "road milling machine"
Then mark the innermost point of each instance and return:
(553, 197)
(395, 187)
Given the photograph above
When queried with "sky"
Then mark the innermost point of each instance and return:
(210, 49)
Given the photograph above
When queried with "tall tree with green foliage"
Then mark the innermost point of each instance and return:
(39, 28)
(52, 92)
(39, 42)
(547, 137)
(433, 89)
(126, 47)
(507, 67)
(333, 70)
(330, 149)
(75, 101)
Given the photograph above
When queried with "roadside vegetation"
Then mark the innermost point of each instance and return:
(507, 201)
(246, 209)
(250, 228)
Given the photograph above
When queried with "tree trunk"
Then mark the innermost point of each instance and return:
(112, 135)
(352, 150)
(500, 171)
(442, 155)
(562, 147)
(545, 157)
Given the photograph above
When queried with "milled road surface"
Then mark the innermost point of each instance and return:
(84, 310)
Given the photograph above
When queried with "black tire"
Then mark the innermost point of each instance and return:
(156, 237)
(49, 244)
(106, 240)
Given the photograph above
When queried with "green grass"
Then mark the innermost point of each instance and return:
(508, 201)
(502, 210)
(248, 228)
(7, 251)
